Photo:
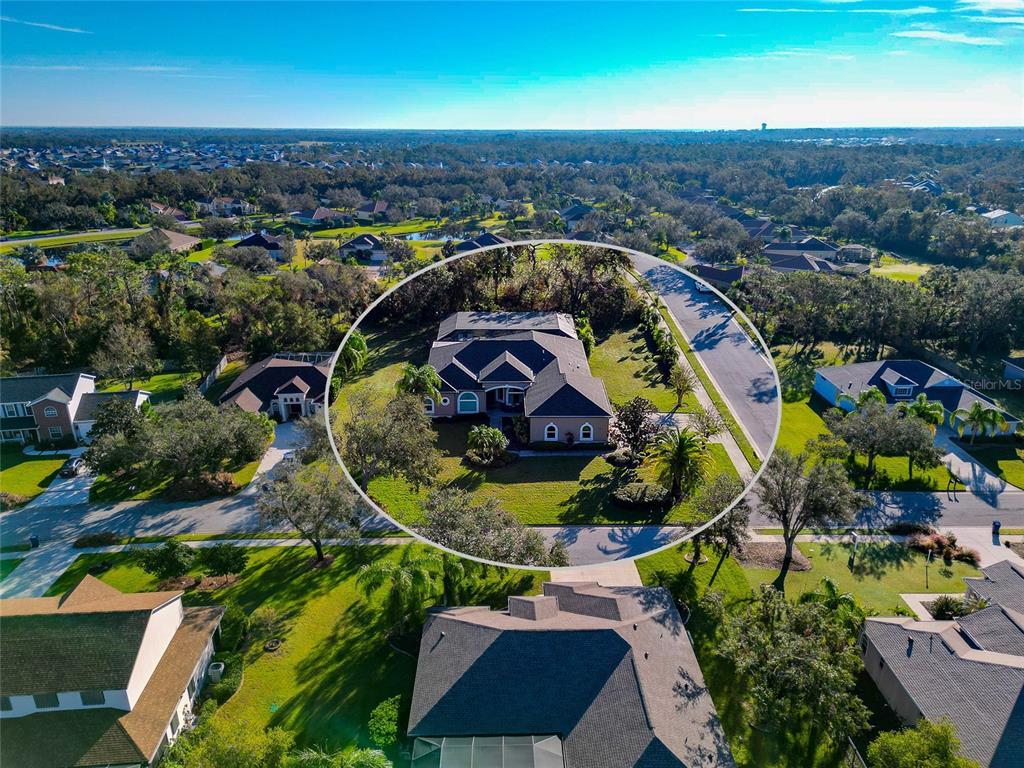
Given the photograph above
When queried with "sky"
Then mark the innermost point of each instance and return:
(527, 65)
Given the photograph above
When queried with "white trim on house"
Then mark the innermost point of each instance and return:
(464, 397)
(553, 438)
(590, 436)
(428, 405)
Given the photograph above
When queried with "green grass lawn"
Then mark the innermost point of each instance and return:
(1007, 460)
(26, 475)
(801, 421)
(881, 572)
(538, 490)
(623, 361)
(224, 379)
(335, 664)
(6, 566)
(390, 348)
(84, 237)
(165, 387)
(751, 748)
(401, 228)
(900, 269)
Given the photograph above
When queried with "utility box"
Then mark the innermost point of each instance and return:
(215, 671)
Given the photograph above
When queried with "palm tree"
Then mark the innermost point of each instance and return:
(353, 355)
(420, 380)
(979, 418)
(929, 411)
(409, 581)
(489, 442)
(682, 460)
(870, 395)
(842, 604)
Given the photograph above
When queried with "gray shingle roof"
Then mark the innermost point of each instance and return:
(481, 323)
(93, 401)
(1002, 584)
(995, 629)
(25, 389)
(984, 700)
(612, 673)
(261, 382)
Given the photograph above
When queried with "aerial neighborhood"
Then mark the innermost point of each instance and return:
(378, 449)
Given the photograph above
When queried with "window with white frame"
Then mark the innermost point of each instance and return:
(903, 391)
(551, 432)
(428, 404)
(50, 412)
(92, 698)
(56, 433)
(586, 433)
(468, 403)
(10, 409)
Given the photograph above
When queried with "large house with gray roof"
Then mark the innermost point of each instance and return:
(902, 381)
(970, 670)
(284, 386)
(98, 677)
(582, 676)
(520, 363)
(54, 408)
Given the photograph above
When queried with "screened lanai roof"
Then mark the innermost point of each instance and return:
(487, 752)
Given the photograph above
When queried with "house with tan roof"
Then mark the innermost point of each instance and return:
(520, 363)
(98, 677)
(581, 676)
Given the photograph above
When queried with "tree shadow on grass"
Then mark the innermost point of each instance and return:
(593, 500)
(873, 560)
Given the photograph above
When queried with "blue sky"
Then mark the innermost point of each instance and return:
(685, 65)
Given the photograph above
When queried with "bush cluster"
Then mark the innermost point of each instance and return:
(665, 351)
(99, 539)
(224, 689)
(641, 496)
(943, 545)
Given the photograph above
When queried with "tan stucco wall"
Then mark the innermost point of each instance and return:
(567, 424)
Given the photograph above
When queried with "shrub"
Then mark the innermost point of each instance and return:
(224, 689)
(168, 561)
(473, 458)
(621, 457)
(969, 556)
(222, 559)
(10, 500)
(100, 539)
(488, 443)
(907, 528)
(204, 486)
(366, 758)
(383, 725)
(946, 607)
(641, 495)
(234, 626)
(265, 621)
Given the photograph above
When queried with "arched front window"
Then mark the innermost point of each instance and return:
(551, 432)
(50, 411)
(586, 433)
(428, 405)
(469, 403)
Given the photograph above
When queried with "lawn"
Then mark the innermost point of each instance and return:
(881, 572)
(1005, 460)
(335, 664)
(900, 269)
(224, 378)
(751, 748)
(85, 237)
(623, 361)
(401, 228)
(6, 566)
(538, 490)
(801, 421)
(390, 348)
(165, 387)
(26, 475)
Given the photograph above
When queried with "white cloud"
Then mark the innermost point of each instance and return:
(998, 19)
(920, 10)
(987, 6)
(43, 25)
(947, 37)
(795, 53)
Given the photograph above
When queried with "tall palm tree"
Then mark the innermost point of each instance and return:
(871, 394)
(842, 604)
(979, 418)
(409, 581)
(420, 380)
(682, 461)
(353, 355)
(930, 412)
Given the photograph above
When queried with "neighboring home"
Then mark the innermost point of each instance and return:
(371, 211)
(50, 408)
(160, 209)
(903, 380)
(1013, 368)
(264, 240)
(285, 386)
(583, 676)
(573, 215)
(970, 670)
(855, 252)
(591, 236)
(719, 277)
(318, 215)
(810, 246)
(176, 242)
(365, 246)
(98, 677)
(528, 363)
(999, 219)
(226, 206)
(483, 240)
(805, 262)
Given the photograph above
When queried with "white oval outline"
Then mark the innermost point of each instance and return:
(764, 350)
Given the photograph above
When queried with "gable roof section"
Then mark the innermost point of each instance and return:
(365, 239)
(1002, 584)
(506, 367)
(262, 240)
(996, 628)
(261, 382)
(91, 402)
(25, 389)
(481, 241)
(507, 322)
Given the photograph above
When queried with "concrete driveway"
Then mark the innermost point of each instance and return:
(976, 476)
(65, 492)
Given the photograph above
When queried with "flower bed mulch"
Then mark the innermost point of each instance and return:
(769, 554)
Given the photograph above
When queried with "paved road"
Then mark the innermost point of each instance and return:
(601, 543)
(742, 374)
